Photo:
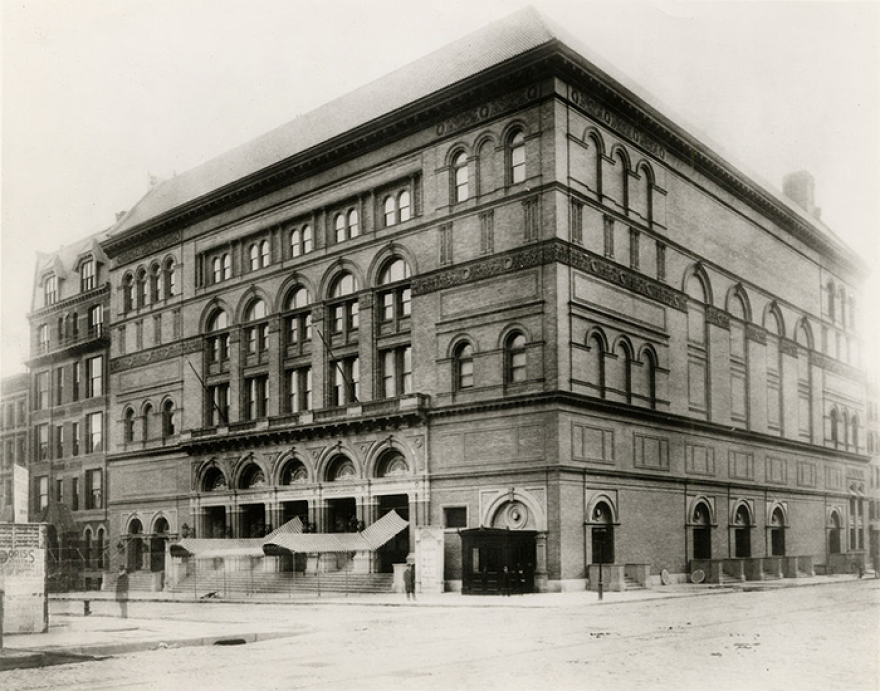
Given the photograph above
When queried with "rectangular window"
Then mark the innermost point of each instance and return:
(74, 439)
(577, 222)
(59, 491)
(95, 375)
(218, 402)
(94, 486)
(257, 392)
(42, 492)
(633, 249)
(445, 235)
(94, 432)
(609, 236)
(157, 329)
(50, 290)
(487, 232)
(455, 517)
(87, 275)
(397, 372)
(59, 441)
(345, 375)
(96, 320)
(299, 389)
(59, 386)
(74, 495)
(139, 334)
(75, 381)
(41, 437)
(42, 391)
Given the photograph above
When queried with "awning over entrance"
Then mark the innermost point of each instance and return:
(372, 538)
(212, 548)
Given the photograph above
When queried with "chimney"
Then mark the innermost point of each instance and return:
(800, 188)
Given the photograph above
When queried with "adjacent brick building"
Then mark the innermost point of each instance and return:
(498, 289)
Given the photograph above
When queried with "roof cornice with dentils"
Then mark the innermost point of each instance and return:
(393, 105)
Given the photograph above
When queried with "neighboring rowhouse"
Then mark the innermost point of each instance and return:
(13, 442)
(68, 418)
(499, 289)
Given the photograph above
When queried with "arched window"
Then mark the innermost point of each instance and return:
(127, 293)
(354, 228)
(128, 426)
(256, 335)
(227, 267)
(168, 429)
(148, 419)
(344, 305)
(294, 472)
(340, 227)
(157, 289)
(805, 398)
(833, 418)
(142, 288)
(87, 548)
(254, 257)
(619, 373)
(516, 157)
(641, 193)
(595, 370)
(739, 361)
(307, 239)
(397, 297)
(170, 279)
(217, 269)
(486, 179)
(390, 211)
(775, 333)
(842, 295)
(218, 343)
(645, 384)
(264, 253)
(252, 477)
(214, 480)
(298, 324)
(831, 295)
(404, 211)
(460, 177)
(515, 358)
(341, 468)
(464, 367)
(100, 555)
(698, 347)
(391, 464)
(854, 435)
(295, 242)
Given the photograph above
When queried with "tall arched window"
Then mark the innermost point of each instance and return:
(702, 532)
(390, 211)
(854, 435)
(127, 293)
(516, 157)
(264, 253)
(486, 178)
(256, 332)
(339, 225)
(831, 295)
(295, 242)
(775, 333)
(464, 367)
(128, 426)
(157, 288)
(148, 420)
(698, 348)
(833, 429)
(805, 397)
(595, 371)
(298, 320)
(644, 379)
(777, 533)
(87, 549)
(460, 177)
(396, 295)
(142, 288)
(739, 362)
(404, 210)
(354, 228)
(218, 339)
(168, 428)
(618, 379)
(344, 306)
(100, 555)
(515, 359)
(170, 276)
(254, 257)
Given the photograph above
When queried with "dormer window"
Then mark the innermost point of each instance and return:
(87, 275)
(50, 290)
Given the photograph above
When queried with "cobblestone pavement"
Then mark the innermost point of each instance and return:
(796, 638)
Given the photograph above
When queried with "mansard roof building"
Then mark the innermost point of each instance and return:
(498, 291)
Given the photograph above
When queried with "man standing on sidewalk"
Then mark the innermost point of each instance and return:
(122, 592)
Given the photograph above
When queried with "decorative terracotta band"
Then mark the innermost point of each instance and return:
(787, 347)
(717, 317)
(147, 357)
(756, 334)
(487, 111)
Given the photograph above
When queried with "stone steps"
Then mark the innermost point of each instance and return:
(245, 583)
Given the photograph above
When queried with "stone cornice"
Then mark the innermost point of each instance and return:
(63, 305)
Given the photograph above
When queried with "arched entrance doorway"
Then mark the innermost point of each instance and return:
(777, 533)
(135, 554)
(702, 532)
(157, 545)
(392, 466)
(602, 534)
(742, 532)
(834, 534)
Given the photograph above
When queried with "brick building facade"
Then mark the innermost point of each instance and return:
(498, 289)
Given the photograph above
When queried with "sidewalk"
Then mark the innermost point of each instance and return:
(103, 633)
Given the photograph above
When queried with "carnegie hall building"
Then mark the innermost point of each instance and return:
(500, 292)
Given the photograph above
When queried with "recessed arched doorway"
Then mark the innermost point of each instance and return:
(702, 532)
(742, 532)
(135, 554)
(396, 550)
(777, 533)
(157, 545)
(602, 534)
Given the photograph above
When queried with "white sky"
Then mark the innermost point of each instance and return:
(97, 94)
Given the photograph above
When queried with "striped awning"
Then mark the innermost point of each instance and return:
(212, 548)
(371, 538)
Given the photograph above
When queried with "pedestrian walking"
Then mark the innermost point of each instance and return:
(505, 581)
(409, 581)
(122, 592)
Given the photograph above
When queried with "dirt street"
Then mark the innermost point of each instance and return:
(824, 637)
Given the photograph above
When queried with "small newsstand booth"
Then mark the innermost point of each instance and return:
(484, 554)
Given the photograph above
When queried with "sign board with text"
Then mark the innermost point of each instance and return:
(23, 550)
(429, 558)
